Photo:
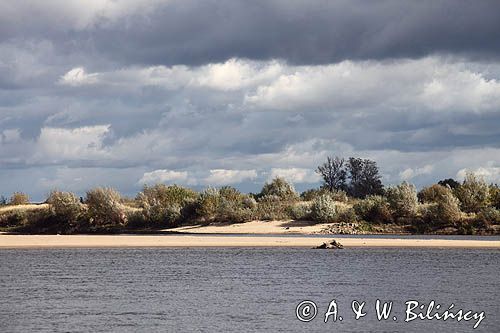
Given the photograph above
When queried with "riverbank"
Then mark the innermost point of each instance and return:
(127, 241)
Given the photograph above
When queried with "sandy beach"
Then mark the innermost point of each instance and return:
(257, 227)
(105, 241)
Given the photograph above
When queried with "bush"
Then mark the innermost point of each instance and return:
(226, 204)
(280, 188)
(473, 193)
(488, 216)
(271, 207)
(445, 211)
(431, 193)
(336, 195)
(208, 203)
(374, 209)
(162, 205)
(65, 206)
(136, 219)
(347, 215)
(19, 198)
(403, 199)
(300, 211)
(13, 218)
(323, 209)
(494, 193)
(104, 207)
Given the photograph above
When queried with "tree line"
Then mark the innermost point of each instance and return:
(351, 192)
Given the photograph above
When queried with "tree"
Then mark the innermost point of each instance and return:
(364, 178)
(333, 173)
(450, 182)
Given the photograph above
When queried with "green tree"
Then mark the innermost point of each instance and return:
(364, 178)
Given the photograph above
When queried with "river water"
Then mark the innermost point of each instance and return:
(242, 290)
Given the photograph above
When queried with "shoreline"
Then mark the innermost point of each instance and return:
(9, 241)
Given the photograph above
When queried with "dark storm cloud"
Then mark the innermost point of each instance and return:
(301, 32)
(85, 100)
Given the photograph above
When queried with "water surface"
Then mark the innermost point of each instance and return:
(239, 290)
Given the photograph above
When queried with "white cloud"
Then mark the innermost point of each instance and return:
(225, 177)
(60, 144)
(490, 174)
(429, 83)
(12, 135)
(295, 175)
(410, 173)
(164, 176)
(78, 77)
(236, 74)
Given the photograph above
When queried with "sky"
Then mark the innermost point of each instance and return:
(123, 93)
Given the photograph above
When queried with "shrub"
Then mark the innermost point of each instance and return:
(445, 211)
(323, 209)
(347, 215)
(208, 203)
(249, 202)
(488, 216)
(104, 207)
(431, 193)
(3, 200)
(374, 208)
(339, 195)
(494, 195)
(19, 198)
(136, 219)
(280, 188)
(13, 218)
(65, 206)
(336, 195)
(162, 205)
(472, 193)
(311, 194)
(226, 204)
(300, 211)
(403, 199)
(271, 207)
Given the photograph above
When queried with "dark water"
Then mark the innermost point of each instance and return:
(239, 290)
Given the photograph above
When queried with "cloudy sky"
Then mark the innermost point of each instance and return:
(234, 92)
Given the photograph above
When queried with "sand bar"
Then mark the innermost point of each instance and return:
(107, 241)
(256, 227)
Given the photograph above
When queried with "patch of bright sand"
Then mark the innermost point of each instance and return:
(106, 241)
(256, 227)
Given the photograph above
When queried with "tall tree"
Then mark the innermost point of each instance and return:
(333, 173)
(364, 178)
(452, 183)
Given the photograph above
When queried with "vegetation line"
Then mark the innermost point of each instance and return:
(352, 199)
